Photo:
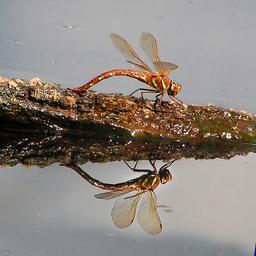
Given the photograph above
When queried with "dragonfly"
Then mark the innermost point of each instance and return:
(124, 209)
(158, 80)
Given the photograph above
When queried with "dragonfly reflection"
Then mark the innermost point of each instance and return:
(124, 209)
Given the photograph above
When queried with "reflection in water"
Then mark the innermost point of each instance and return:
(124, 210)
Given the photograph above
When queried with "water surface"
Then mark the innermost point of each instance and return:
(52, 210)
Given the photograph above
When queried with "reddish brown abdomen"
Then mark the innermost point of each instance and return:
(144, 77)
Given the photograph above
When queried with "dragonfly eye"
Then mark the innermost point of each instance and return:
(174, 88)
(165, 175)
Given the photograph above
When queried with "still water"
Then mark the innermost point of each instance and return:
(209, 206)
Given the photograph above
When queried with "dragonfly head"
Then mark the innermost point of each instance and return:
(174, 88)
(165, 175)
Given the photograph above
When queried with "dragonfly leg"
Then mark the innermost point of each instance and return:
(173, 98)
(159, 101)
(159, 97)
(136, 169)
(153, 163)
(165, 166)
(144, 90)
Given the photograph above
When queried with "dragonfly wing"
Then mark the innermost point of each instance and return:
(124, 210)
(129, 54)
(148, 216)
(136, 66)
(110, 194)
(148, 44)
(164, 67)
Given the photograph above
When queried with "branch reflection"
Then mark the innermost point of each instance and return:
(124, 209)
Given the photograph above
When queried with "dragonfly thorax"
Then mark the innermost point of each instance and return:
(150, 182)
(163, 84)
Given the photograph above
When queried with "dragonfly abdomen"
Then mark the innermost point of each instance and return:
(144, 77)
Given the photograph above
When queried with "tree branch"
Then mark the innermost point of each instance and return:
(114, 126)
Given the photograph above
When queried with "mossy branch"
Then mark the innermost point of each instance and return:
(119, 123)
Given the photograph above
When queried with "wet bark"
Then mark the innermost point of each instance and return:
(56, 125)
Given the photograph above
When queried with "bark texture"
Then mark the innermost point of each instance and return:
(56, 125)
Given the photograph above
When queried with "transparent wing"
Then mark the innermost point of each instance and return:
(110, 194)
(148, 44)
(148, 216)
(129, 54)
(164, 67)
(124, 210)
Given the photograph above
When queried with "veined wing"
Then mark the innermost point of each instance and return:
(148, 44)
(111, 194)
(164, 67)
(129, 54)
(124, 210)
(148, 216)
